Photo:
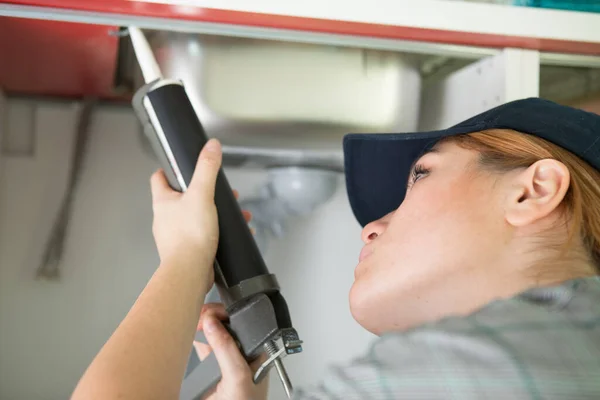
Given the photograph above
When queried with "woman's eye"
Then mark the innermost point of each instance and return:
(417, 173)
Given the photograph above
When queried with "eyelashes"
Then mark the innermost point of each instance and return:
(417, 173)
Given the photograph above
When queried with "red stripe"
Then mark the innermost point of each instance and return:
(317, 25)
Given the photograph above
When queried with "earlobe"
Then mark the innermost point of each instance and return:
(537, 192)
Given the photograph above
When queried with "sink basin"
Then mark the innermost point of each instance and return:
(250, 92)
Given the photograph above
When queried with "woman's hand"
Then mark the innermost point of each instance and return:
(186, 232)
(236, 382)
(146, 356)
(185, 224)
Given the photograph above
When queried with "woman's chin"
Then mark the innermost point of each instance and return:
(361, 308)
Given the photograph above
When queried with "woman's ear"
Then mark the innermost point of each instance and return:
(537, 192)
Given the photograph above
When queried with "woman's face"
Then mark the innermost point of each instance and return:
(435, 254)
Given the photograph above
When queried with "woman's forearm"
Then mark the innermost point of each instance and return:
(147, 355)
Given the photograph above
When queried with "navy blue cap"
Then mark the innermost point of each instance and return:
(377, 166)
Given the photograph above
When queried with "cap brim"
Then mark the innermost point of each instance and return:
(377, 168)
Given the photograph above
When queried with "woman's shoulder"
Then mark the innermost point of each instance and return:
(573, 304)
(540, 344)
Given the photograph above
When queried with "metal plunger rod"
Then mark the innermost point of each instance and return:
(283, 376)
(272, 348)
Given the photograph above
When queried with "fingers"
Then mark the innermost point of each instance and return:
(209, 310)
(217, 308)
(233, 365)
(214, 310)
(207, 168)
(159, 185)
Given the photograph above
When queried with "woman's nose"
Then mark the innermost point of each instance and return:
(372, 230)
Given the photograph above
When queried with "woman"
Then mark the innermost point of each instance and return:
(479, 270)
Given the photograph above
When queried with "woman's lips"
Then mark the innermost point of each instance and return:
(364, 253)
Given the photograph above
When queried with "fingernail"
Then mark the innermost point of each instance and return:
(212, 145)
(210, 325)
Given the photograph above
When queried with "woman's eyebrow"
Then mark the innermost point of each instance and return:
(433, 149)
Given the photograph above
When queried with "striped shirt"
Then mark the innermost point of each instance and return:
(542, 344)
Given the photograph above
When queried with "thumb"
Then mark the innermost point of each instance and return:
(207, 168)
(233, 365)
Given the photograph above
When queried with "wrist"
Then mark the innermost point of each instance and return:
(197, 264)
(200, 257)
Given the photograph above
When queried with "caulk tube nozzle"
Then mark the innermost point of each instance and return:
(144, 55)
